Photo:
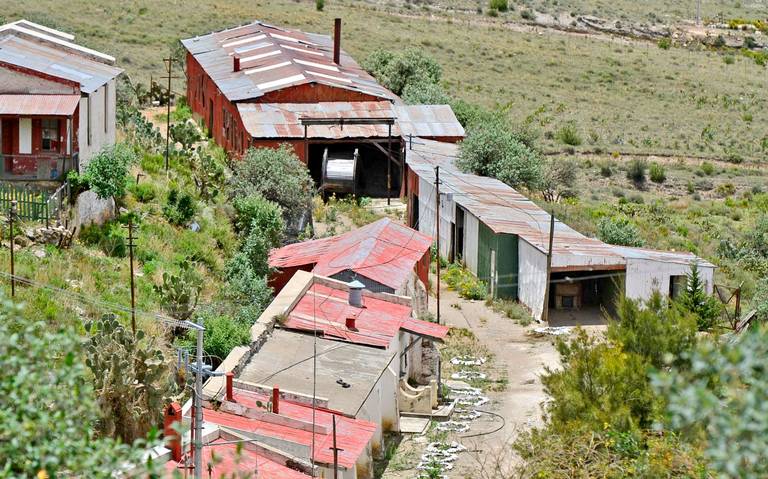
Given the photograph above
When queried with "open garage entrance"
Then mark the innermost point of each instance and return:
(584, 297)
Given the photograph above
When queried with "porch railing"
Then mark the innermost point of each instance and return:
(47, 167)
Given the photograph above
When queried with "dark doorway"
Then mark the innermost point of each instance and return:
(458, 239)
(10, 133)
(414, 208)
(210, 118)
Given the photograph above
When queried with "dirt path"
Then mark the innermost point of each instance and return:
(520, 358)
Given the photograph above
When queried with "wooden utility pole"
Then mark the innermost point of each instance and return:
(336, 451)
(437, 238)
(545, 310)
(131, 245)
(389, 165)
(169, 69)
(698, 12)
(11, 217)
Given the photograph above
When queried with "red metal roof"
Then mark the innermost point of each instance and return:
(352, 435)
(377, 323)
(38, 105)
(273, 58)
(384, 251)
(226, 461)
(281, 120)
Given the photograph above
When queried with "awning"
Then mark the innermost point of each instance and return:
(38, 105)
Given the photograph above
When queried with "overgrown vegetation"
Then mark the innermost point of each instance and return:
(464, 282)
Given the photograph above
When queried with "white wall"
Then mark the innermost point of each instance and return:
(644, 276)
(532, 277)
(102, 134)
(25, 135)
(427, 215)
(381, 407)
(471, 237)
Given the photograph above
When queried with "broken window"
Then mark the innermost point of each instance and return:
(50, 135)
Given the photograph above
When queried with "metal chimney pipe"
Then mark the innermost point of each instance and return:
(276, 400)
(356, 294)
(236, 62)
(337, 41)
(230, 386)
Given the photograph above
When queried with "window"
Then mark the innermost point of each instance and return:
(50, 134)
(677, 285)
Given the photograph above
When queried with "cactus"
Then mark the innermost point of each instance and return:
(179, 292)
(133, 379)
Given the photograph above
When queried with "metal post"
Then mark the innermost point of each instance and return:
(335, 452)
(306, 148)
(698, 12)
(11, 216)
(545, 310)
(199, 407)
(389, 164)
(168, 118)
(131, 245)
(437, 238)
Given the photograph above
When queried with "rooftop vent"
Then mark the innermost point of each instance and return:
(356, 294)
(337, 41)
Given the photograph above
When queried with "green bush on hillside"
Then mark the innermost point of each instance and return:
(619, 230)
(657, 173)
(500, 5)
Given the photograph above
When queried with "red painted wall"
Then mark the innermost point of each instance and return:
(279, 278)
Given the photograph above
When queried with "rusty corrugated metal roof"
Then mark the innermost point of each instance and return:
(281, 120)
(273, 58)
(505, 210)
(59, 63)
(384, 251)
(352, 435)
(38, 105)
(377, 323)
(680, 257)
(430, 121)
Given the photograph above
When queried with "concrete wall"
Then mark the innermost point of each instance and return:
(99, 106)
(532, 277)
(12, 81)
(644, 276)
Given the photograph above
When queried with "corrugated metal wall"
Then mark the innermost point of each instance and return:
(427, 215)
(500, 249)
(471, 232)
(532, 278)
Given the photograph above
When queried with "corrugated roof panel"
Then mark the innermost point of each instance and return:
(39, 105)
(214, 52)
(431, 121)
(90, 74)
(384, 251)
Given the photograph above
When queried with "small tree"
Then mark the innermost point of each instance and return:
(254, 211)
(276, 174)
(397, 70)
(696, 300)
(180, 291)
(493, 149)
(619, 230)
(107, 172)
(558, 179)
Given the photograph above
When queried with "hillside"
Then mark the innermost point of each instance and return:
(621, 96)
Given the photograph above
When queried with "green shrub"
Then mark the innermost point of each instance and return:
(396, 70)
(425, 93)
(695, 299)
(729, 59)
(619, 230)
(180, 291)
(569, 135)
(605, 170)
(527, 14)
(665, 43)
(144, 192)
(464, 282)
(708, 168)
(657, 173)
(253, 211)
(319, 5)
(500, 5)
(636, 171)
(725, 189)
(493, 13)
(77, 183)
(179, 208)
(182, 112)
(110, 238)
(107, 172)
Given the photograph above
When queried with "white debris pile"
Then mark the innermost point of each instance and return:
(440, 456)
(467, 361)
(467, 375)
(553, 330)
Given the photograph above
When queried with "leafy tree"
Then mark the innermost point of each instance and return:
(425, 93)
(276, 174)
(180, 291)
(47, 408)
(721, 398)
(396, 70)
(179, 208)
(493, 149)
(558, 179)
(253, 211)
(107, 172)
(470, 113)
(132, 378)
(619, 230)
(247, 288)
(696, 300)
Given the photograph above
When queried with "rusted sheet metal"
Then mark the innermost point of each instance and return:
(38, 105)
(428, 121)
(352, 435)
(59, 63)
(273, 58)
(680, 257)
(384, 251)
(377, 323)
(504, 210)
(281, 120)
